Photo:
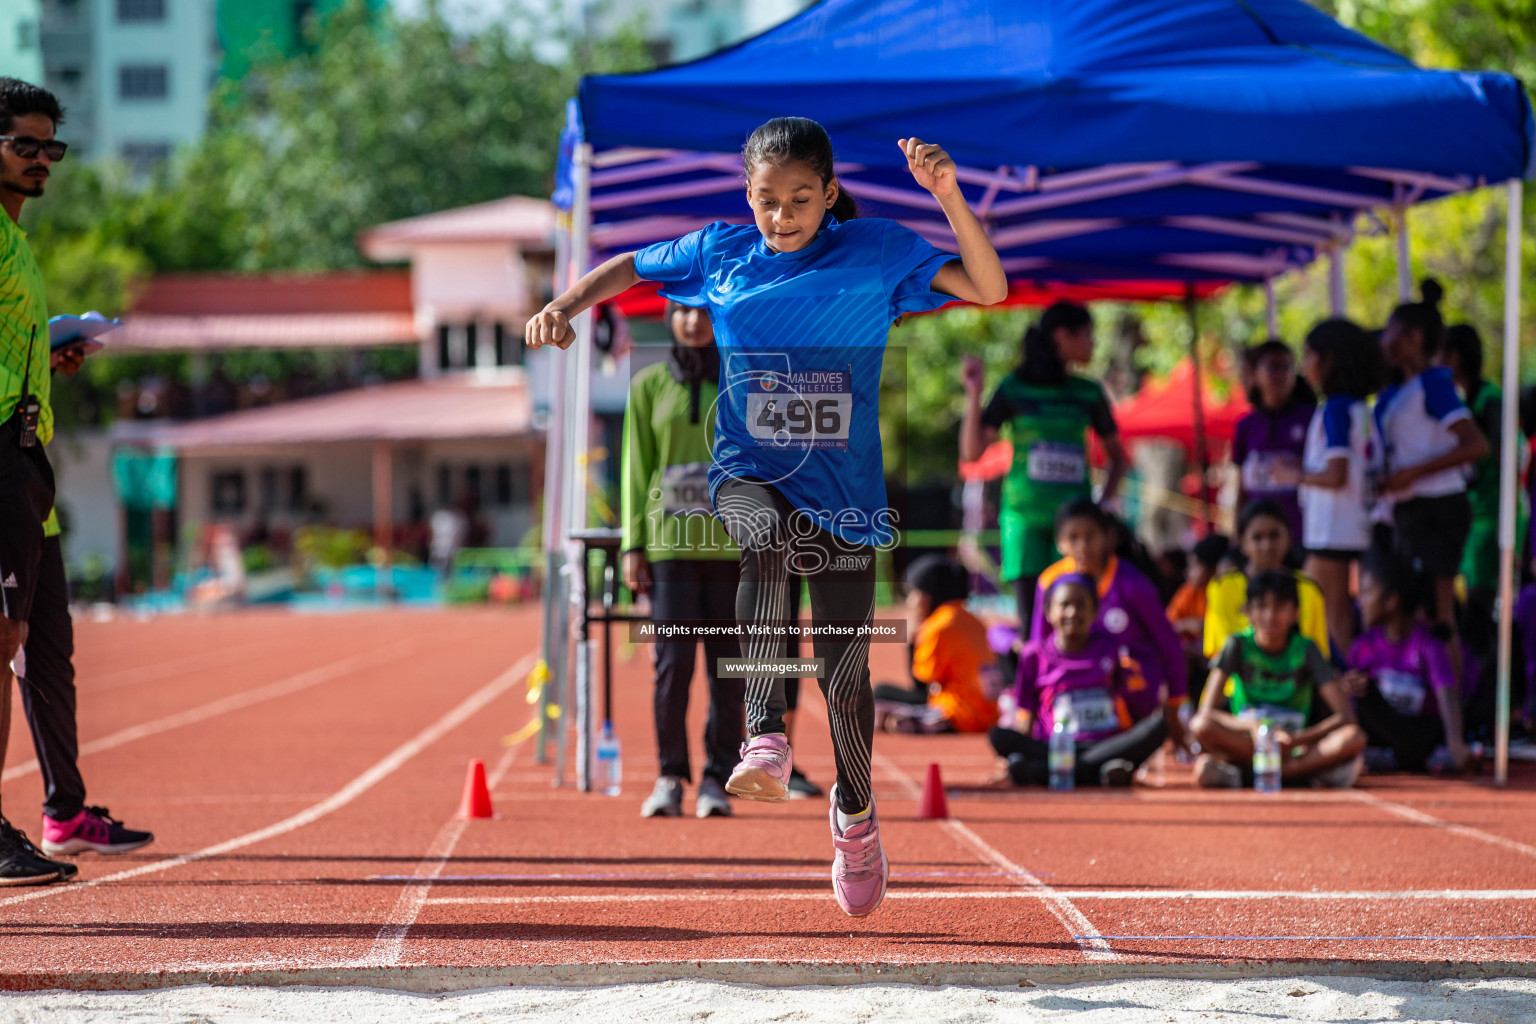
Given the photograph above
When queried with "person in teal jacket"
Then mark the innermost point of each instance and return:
(676, 551)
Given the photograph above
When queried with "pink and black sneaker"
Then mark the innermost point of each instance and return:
(860, 868)
(92, 829)
(764, 771)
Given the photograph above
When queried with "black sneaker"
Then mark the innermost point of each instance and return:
(800, 787)
(1116, 772)
(20, 862)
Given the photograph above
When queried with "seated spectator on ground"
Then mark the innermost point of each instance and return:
(1263, 539)
(1270, 672)
(1075, 674)
(1406, 696)
(949, 654)
(1268, 442)
(1129, 607)
(1187, 609)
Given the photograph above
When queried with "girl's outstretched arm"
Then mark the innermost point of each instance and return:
(552, 324)
(980, 277)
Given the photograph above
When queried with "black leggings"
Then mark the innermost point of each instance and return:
(774, 538)
(1029, 762)
(1413, 738)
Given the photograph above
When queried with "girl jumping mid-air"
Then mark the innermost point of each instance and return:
(801, 303)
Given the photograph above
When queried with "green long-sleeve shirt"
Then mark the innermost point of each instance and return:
(668, 438)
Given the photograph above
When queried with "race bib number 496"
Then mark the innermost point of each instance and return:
(810, 409)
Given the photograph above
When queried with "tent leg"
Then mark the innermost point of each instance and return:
(1508, 480)
(554, 480)
(1404, 263)
(1202, 456)
(1336, 280)
(1271, 315)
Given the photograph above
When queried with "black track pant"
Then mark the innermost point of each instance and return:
(840, 577)
(691, 591)
(1029, 759)
(1413, 738)
(48, 693)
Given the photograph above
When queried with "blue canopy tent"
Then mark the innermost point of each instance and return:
(1099, 140)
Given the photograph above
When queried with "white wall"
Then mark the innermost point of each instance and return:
(82, 466)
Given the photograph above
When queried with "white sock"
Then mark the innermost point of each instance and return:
(846, 820)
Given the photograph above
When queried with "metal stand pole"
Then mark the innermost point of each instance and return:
(1508, 478)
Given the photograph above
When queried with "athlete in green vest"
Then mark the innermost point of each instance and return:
(1047, 412)
(676, 551)
(1461, 350)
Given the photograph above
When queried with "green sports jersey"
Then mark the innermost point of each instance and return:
(1048, 426)
(668, 441)
(1257, 678)
(23, 309)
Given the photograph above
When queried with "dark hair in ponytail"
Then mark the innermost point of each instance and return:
(798, 140)
(1424, 316)
(1464, 340)
(1042, 362)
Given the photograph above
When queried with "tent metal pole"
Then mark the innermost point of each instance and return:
(1404, 263)
(1202, 455)
(553, 664)
(1336, 279)
(580, 416)
(1271, 317)
(1508, 480)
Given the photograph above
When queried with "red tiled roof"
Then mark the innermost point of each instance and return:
(353, 291)
(517, 220)
(320, 330)
(458, 407)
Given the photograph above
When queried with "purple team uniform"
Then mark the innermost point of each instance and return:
(1131, 613)
(1092, 680)
(1408, 674)
(1261, 442)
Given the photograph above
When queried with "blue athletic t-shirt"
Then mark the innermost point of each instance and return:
(802, 337)
(1415, 419)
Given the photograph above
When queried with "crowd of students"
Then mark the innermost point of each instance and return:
(1351, 614)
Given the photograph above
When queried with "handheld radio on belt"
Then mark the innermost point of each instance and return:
(31, 407)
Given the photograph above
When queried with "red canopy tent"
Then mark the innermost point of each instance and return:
(1163, 409)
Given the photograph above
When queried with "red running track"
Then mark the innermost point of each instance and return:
(302, 773)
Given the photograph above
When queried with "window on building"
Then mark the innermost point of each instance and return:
(144, 157)
(228, 492)
(140, 10)
(473, 483)
(444, 349)
(503, 485)
(298, 489)
(269, 497)
(70, 78)
(509, 347)
(471, 344)
(143, 81)
(303, 11)
(444, 484)
(26, 34)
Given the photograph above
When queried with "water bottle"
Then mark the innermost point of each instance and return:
(610, 762)
(1186, 713)
(1063, 755)
(1266, 759)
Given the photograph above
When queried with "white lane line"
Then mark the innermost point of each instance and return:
(1078, 926)
(345, 795)
(105, 682)
(1466, 831)
(1237, 895)
(389, 944)
(224, 705)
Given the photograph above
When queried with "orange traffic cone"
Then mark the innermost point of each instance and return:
(477, 796)
(932, 804)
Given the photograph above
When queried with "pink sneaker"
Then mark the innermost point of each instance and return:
(92, 829)
(763, 773)
(860, 868)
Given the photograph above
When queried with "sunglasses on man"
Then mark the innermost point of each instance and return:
(26, 147)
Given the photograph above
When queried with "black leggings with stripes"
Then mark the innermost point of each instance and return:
(774, 538)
